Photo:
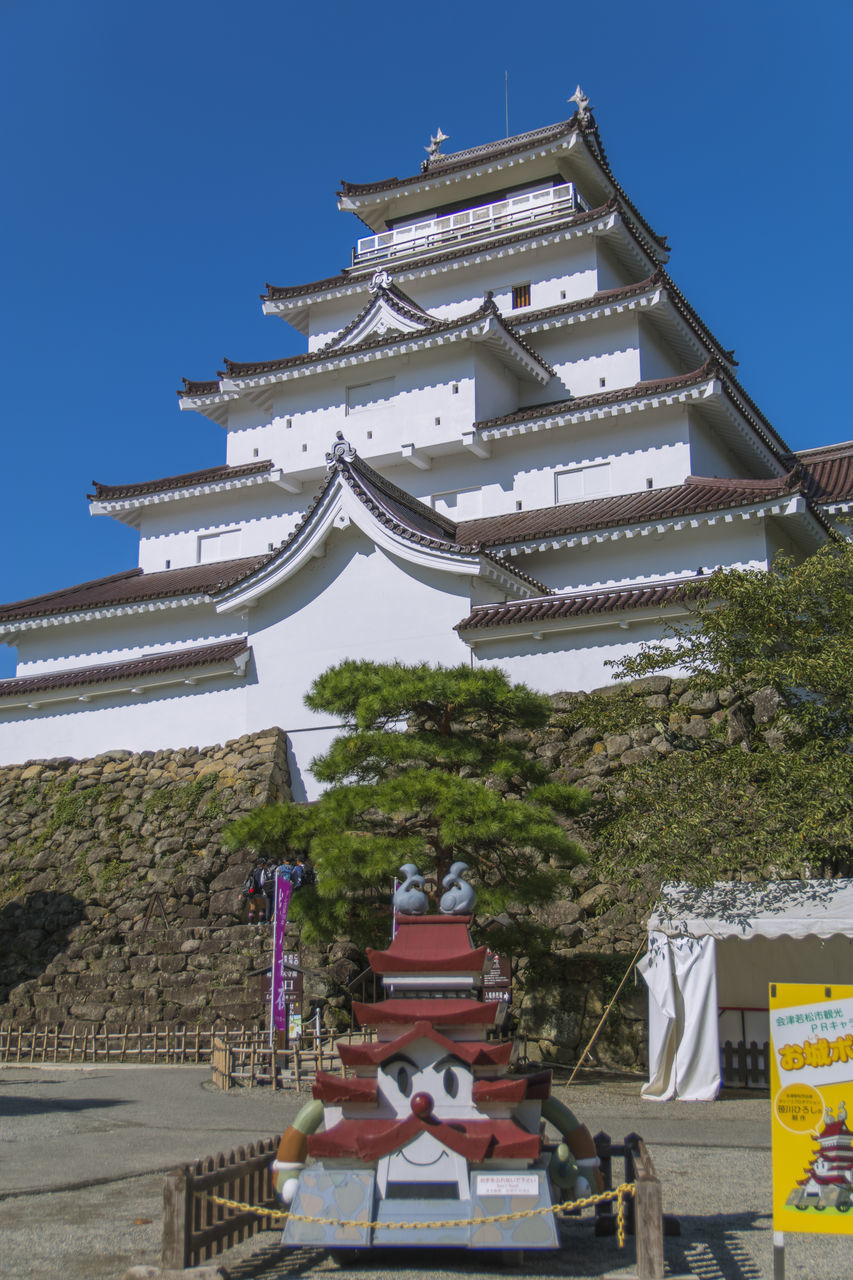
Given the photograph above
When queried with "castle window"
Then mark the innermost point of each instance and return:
(520, 296)
(218, 546)
(370, 395)
(582, 482)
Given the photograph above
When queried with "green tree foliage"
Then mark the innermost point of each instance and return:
(707, 814)
(790, 627)
(433, 766)
(776, 803)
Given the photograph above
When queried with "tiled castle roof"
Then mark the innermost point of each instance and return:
(458, 161)
(582, 604)
(133, 669)
(650, 388)
(828, 472)
(253, 368)
(186, 480)
(132, 587)
(696, 495)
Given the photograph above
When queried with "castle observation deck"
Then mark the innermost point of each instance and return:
(541, 205)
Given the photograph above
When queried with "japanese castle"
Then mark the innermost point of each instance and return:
(509, 441)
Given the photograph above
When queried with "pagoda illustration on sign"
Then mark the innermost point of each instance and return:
(828, 1179)
(428, 1127)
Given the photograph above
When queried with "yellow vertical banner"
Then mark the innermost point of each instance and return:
(811, 1087)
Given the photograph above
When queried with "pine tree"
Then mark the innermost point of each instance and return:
(434, 766)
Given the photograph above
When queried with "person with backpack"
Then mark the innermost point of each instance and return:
(254, 889)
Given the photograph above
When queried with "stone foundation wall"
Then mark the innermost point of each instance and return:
(117, 900)
(89, 849)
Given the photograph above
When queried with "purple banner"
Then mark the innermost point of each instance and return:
(282, 976)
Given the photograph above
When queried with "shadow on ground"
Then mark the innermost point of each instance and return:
(12, 1106)
(710, 1248)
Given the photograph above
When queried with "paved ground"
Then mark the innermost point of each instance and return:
(82, 1152)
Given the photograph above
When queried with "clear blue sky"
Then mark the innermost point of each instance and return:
(162, 161)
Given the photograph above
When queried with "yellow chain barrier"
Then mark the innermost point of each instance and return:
(618, 1194)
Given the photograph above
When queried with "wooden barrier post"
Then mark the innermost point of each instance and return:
(648, 1217)
(605, 1221)
(175, 1253)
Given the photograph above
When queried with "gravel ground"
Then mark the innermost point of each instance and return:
(82, 1154)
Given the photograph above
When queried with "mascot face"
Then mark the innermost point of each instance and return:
(426, 1069)
(425, 1081)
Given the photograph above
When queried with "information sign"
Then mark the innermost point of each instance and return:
(507, 1184)
(811, 1083)
(497, 979)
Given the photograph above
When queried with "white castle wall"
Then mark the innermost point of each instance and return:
(578, 656)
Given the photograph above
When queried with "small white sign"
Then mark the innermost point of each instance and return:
(507, 1184)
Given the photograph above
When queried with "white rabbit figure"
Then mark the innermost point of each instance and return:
(410, 899)
(460, 897)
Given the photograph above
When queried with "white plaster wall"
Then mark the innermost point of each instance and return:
(639, 446)
(261, 515)
(309, 412)
(612, 274)
(657, 358)
(583, 354)
(565, 659)
(118, 639)
(674, 554)
(557, 273)
(355, 602)
(711, 456)
(211, 713)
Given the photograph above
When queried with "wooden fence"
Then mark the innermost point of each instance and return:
(162, 1045)
(194, 1228)
(644, 1216)
(746, 1065)
(250, 1060)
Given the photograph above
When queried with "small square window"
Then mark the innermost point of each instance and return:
(602, 382)
(370, 435)
(520, 296)
(454, 390)
(254, 453)
(650, 484)
(562, 295)
(168, 564)
(288, 422)
(518, 505)
(438, 422)
(270, 546)
(305, 448)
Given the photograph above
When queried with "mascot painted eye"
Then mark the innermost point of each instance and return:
(451, 1083)
(404, 1081)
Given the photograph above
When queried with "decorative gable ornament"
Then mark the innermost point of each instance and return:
(341, 451)
(582, 103)
(434, 149)
(388, 311)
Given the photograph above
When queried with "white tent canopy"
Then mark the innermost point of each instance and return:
(718, 948)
